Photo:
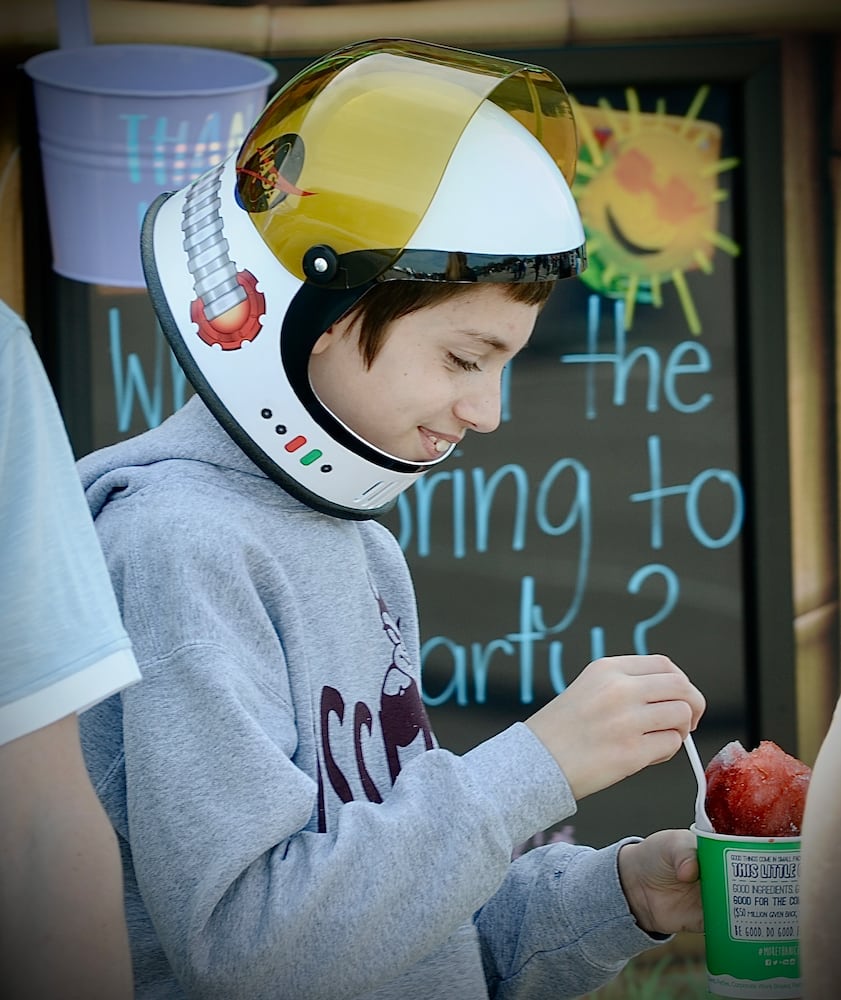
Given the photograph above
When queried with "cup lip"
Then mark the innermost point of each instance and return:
(738, 839)
(80, 70)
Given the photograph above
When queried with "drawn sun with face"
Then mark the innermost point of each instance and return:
(647, 188)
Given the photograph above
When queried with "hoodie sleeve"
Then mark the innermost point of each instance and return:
(243, 893)
(559, 926)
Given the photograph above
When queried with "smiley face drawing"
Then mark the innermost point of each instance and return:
(647, 188)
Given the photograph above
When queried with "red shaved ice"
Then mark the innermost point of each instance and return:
(756, 794)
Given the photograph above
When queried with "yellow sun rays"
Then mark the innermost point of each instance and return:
(693, 164)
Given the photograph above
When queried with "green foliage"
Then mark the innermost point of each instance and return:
(668, 978)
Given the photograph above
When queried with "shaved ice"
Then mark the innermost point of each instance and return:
(756, 794)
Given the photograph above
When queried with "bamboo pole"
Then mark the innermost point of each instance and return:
(809, 348)
(481, 24)
(641, 20)
(277, 30)
(835, 188)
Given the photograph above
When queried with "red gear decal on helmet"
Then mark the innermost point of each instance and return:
(239, 324)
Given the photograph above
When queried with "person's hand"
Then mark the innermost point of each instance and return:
(659, 876)
(619, 715)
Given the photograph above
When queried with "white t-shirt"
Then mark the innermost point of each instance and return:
(62, 643)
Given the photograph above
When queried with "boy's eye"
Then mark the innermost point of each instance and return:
(463, 363)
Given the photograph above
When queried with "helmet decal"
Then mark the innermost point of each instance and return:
(269, 174)
(227, 307)
(237, 325)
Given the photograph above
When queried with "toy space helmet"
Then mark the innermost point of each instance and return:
(385, 160)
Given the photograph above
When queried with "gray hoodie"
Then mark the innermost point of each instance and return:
(289, 826)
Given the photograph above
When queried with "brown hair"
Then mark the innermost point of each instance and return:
(389, 300)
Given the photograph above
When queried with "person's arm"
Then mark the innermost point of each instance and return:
(62, 928)
(619, 715)
(820, 873)
(568, 918)
(243, 895)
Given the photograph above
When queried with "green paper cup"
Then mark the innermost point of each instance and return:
(750, 893)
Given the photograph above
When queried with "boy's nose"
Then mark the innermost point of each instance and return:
(480, 410)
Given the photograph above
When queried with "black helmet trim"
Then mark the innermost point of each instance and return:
(310, 313)
(441, 265)
(205, 391)
(324, 268)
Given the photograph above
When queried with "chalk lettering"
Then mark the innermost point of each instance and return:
(692, 492)
(130, 380)
(173, 152)
(687, 358)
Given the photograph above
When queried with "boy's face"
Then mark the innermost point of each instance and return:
(436, 375)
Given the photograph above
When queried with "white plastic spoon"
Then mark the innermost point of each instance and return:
(702, 821)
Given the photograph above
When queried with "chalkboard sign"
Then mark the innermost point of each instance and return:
(634, 498)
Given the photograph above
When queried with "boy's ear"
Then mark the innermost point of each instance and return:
(333, 333)
(324, 341)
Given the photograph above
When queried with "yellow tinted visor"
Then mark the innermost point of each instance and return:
(350, 153)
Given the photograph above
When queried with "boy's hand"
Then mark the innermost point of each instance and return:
(659, 876)
(619, 715)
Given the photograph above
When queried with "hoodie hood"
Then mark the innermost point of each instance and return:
(192, 435)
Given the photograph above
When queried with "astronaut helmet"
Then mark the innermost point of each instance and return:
(387, 160)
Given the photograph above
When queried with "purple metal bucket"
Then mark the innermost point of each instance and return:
(118, 124)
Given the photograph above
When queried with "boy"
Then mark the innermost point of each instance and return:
(344, 295)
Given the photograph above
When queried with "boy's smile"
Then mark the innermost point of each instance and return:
(436, 375)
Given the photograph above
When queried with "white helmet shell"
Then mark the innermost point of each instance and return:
(388, 160)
